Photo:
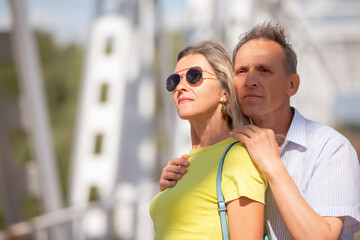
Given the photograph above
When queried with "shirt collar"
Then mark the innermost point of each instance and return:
(297, 131)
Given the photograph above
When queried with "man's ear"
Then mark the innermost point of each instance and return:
(294, 82)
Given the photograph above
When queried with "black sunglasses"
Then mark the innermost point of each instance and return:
(193, 76)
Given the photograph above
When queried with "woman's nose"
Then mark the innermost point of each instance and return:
(183, 85)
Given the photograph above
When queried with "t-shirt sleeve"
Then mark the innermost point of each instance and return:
(241, 177)
(334, 189)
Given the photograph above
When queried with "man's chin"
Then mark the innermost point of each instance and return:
(251, 112)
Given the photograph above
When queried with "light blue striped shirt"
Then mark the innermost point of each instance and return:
(325, 168)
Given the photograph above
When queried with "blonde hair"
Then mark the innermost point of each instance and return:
(220, 61)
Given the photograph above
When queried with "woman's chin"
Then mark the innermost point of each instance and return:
(184, 115)
(185, 118)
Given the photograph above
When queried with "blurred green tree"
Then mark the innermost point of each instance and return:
(62, 68)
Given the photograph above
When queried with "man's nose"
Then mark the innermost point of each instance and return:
(251, 80)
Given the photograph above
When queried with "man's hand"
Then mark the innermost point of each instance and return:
(261, 145)
(173, 172)
(265, 152)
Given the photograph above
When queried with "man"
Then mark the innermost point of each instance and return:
(314, 178)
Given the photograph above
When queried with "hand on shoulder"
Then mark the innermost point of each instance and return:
(261, 145)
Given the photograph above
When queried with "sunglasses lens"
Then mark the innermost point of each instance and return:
(194, 75)
(172, 82)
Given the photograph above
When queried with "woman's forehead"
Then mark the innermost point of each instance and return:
(192, 61)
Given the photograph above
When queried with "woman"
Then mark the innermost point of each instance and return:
(203, 93)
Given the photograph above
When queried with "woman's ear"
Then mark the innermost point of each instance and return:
(224, 97)
(294, 82)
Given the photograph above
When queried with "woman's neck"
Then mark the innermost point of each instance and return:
(208, 132)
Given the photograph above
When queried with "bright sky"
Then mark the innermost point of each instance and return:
(70, 20)
(67, 19)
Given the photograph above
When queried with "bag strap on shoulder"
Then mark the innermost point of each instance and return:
(220, 196)
(221, 200)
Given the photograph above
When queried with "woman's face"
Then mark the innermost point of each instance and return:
(202, 100)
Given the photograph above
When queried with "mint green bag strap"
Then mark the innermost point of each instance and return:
(221, 200)
(220, 196)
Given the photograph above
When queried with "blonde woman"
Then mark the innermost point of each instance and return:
(203, 93)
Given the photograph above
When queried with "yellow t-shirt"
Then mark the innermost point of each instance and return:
(189, 210)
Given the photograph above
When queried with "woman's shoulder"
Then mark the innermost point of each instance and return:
(237, 150)
(239, 160)
(241, 177)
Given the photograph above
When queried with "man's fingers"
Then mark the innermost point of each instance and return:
(181, 161)
(241, 133)
(251, 131)
(170, 176)
(246, 130)
(178, 169)
(164, 184)
(185, 156)
(173, 173)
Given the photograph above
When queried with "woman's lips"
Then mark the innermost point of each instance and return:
(184, 100)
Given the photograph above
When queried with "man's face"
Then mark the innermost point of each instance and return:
(261, 82)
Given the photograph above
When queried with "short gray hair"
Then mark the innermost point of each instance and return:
(270, 32)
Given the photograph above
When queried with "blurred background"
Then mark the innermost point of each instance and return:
(86, 124)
